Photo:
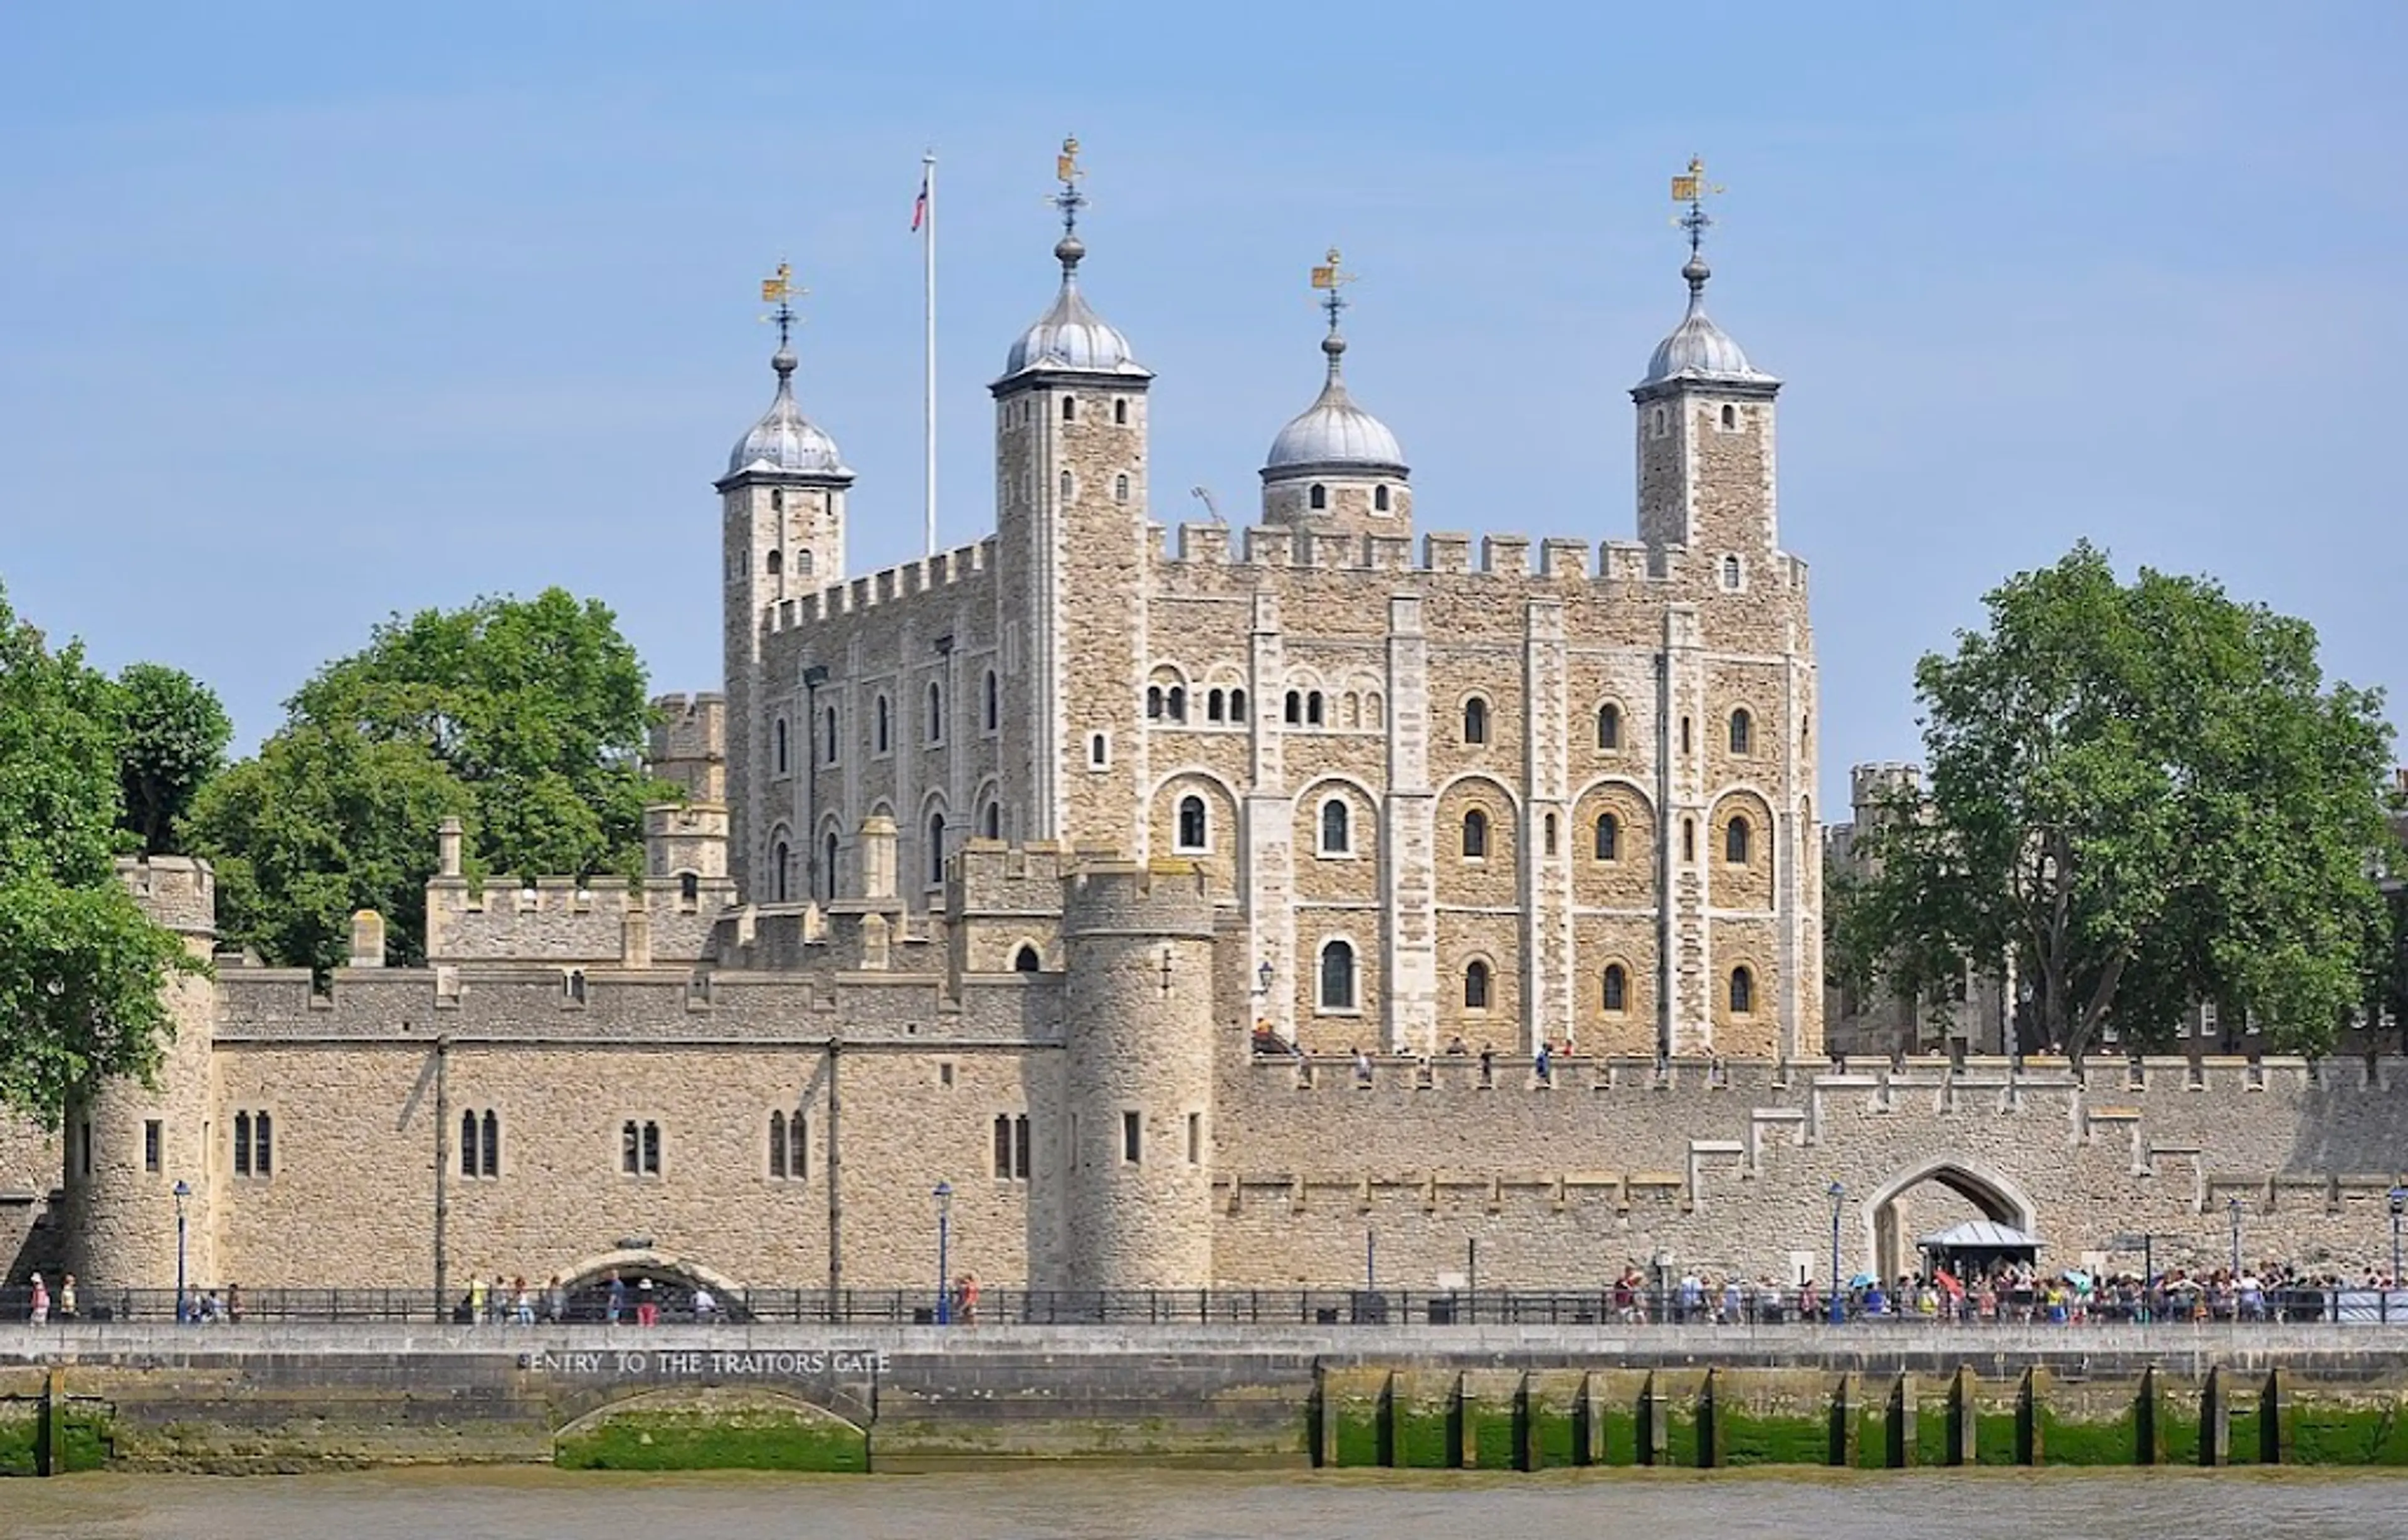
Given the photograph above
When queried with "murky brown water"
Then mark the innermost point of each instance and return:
(1125, 1505)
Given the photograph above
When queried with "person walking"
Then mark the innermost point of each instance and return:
(41, 1300)
(521, 1303)
(476, 1299)
(234, 1302)
(648, 1308)
(705, 1307)
(966, 1309)
(555, 1301)
(615, 1297)
(66, 1298)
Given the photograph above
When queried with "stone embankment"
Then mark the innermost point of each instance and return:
(259, 1398)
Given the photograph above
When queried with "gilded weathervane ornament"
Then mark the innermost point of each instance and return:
(780, 289)
(1067, 171)
(1692, 188)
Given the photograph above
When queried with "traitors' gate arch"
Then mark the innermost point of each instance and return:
(1893, 1253)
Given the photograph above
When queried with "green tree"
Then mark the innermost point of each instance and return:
(81, 968)
(2147, 795)
(175, 733)
(526, 717)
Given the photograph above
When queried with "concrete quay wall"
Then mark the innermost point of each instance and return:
(281, 1398)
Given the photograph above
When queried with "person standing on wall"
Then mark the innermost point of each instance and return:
(41, 1300)
(67, 1298)
(615, 1293)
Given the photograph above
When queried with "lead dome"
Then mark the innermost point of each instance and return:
(1069, 336)
(1334, 433)
(1698, 349)
(785, 442)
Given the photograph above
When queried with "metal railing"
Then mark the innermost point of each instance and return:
(1673, 1305)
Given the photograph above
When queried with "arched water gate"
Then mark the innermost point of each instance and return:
(1883, 1214)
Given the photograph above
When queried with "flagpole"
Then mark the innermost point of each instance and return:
(928, 405)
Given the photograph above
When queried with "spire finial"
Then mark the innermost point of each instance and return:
(1332, 281)
(781, 288)
(1692, 188)
(1070, 248)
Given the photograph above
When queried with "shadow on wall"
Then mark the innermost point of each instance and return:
(2346, 1124)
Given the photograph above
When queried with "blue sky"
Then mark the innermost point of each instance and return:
(312, 313)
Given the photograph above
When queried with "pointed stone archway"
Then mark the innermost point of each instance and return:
(1892, 1251)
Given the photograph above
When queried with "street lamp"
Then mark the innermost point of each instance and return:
(183, 1194)
(2232, 1206)
(945, 1196)
(1263, 977)
(1839, 1293)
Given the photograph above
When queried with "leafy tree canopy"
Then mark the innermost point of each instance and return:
(175, 733)
(526, 718)
(82, 968)
(2144, 794)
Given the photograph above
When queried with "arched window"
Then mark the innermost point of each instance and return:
(1070, 408)
(469, 1137)
(1475, 720)
(1337, 976)
(1027, 959)
(1609, 726)
(1176, 704)
(688, 888)
(994, 703)
(1351, 709)
(778, 746)
(1688, 839)
(798, 1150)
(830, 755)
(777, 500)
(1371, 709)
(1475, 985)
(1550, 845)
(1684, 734)
(1608, 846)
(1120, 489)
(827, 868)
(263, 1147)
(1192, 828)
(1616, 994)
(1216, 706)
(886, 731)
(1380, 499)
(936, 848)
(1153, 703)
(1731, 572)
(1237, 706)
(1069, 487)
(1735, 841)
(1120, 412)
(1295, 707)
(1730, 417)
(242, 1144)
(1743, 731)
(1475, 835)
(1656, 423)
(1312, 708)
(777, 1144)
(1334, 830)
(489, 1159)
(803, 563)
(1742, 991)
(780, 859)
(776, 563)
(935, 712)
(991, 822)
(1318, 498)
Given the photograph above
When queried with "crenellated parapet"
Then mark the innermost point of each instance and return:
(178, 892)
(945, 571)
(566, 921)
(1270, 548)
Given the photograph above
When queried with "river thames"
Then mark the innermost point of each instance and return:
(1091, 1505)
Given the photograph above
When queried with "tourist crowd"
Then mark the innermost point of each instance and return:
(2015, 1293)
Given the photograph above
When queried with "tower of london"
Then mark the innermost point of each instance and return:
(1166, 907)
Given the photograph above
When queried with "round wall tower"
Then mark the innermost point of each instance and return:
(128, 1146)
(1137, 1027)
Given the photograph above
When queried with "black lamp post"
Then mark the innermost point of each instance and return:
(1839, 1286)
(2398, 1207)
(2232, 1206)
(183, 1194)
(944, 1196)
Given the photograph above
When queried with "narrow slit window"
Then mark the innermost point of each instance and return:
(1132, 1137)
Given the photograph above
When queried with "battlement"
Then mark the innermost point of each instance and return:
(563, 919)
(1560, 560)
(990, 877)
(1106, 896)
(926, 574)
(178, 892)
(688, 727)
(1873, 783)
